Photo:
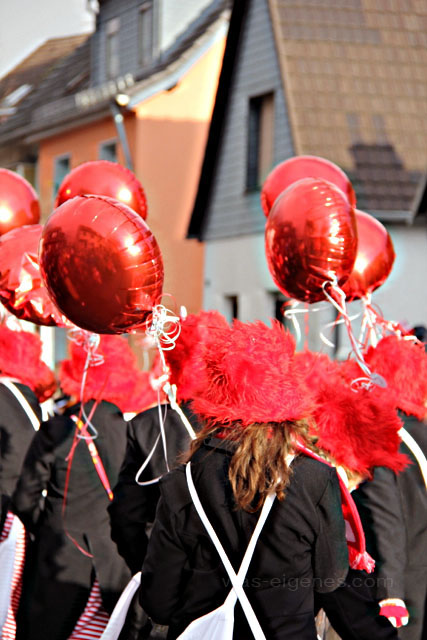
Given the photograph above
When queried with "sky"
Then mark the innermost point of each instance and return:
(26, 24)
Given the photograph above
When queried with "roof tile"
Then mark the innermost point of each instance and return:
(366, 59)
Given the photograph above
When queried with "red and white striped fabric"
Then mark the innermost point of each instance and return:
(94, 618)
(8, 632)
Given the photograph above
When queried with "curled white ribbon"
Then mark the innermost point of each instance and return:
(371, 378)
(89, 342)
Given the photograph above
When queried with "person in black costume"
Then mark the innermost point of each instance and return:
(133, 509)
(357, 431)
(393, 507)
(256, 405)
(29, 381)
(73, 555)
(25, 380)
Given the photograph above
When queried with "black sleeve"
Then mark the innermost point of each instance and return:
(133, 505)
(35, 474)
(330, 562)
(353, 612)
(163, 568)
(380, 508)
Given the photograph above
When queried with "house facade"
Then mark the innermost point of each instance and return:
(344, 81)
(139, 91)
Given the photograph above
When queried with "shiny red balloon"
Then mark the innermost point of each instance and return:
(374, 260)
(101, 264)
(310, 239)
(104, 178)
(22, 290)
(297, 168)
(19, 204)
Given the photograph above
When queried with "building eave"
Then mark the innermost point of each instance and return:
(197, 219)
(168, 77)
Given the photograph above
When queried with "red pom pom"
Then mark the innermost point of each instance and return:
(20, 358)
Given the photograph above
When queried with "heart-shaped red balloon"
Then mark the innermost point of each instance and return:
(104, 178)
(374, 259)
(310, 239)
(297, 168)
(22, 290)
(19, 204)
(101, 264)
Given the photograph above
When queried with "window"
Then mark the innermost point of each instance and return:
(278, 308)
(27, 170)
(61, 168)
(260, 140)
(145, 33)
(232, 307)
(112, 48)
(337, 334)
(61, 345)
(108, 151)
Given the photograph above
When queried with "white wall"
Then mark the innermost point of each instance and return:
(237, 266)
(176, 16)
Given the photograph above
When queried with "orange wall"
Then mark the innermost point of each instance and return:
(82, 144)
(171, 135)
(167, 136)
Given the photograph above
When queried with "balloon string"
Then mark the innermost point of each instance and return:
(292, 313)
(90, 343)
(384, 327)
(164, 329)
(337, 298)
(338, 320)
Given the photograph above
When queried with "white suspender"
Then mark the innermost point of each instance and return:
(236, 579)
(7, 382)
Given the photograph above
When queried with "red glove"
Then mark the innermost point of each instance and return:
(395, 610)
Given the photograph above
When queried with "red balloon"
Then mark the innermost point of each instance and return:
(104, 178)
(101, 264)
(310, 238)
(374, 260)
(19, 204)
(297, 168)
(22, 290)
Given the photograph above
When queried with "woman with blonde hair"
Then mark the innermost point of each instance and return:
(256, 407)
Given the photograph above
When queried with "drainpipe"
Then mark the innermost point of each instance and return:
(115, 105)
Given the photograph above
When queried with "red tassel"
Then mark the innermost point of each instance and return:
(362, 561)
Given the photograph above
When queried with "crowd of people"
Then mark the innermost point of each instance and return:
(253, 480)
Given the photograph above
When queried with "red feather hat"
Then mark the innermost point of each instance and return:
(358, 429)
(185, 360)
(20, 358)
(403, 364)
(115, 380)
(251, 377)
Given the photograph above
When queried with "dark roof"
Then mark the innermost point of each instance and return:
(354, 80)
(38, 64)
(60, 75)
(57, 105)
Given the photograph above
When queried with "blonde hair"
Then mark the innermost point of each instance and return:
(258, 465)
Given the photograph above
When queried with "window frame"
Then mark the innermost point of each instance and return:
(104, 145)
(260, 139)
(56, 161)
(144, 9)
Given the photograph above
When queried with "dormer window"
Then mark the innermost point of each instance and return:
(112, 48)
(145, 33)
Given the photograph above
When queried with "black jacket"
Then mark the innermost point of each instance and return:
(56, 592)
(134, 506)
(393, 510)
(16, 433)
(301, 548)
